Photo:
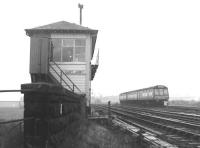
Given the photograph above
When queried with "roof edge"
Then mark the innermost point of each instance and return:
(30, 32)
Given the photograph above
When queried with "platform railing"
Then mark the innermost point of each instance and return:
(63, 77)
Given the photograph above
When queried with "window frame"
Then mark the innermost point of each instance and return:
(61, 46)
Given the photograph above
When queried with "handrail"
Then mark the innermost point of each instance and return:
(15, 90)
(62, 72)
(10, 90)
(61, 77)
(74, 85)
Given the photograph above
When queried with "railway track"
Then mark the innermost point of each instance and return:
(160, 119)
(189, 118)
(175, 131)
(145, 139)
(184, 109)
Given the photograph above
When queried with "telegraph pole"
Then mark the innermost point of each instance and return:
(80, 7)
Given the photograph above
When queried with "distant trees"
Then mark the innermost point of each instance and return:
(97, 101)
(104, 99)
(189, 103)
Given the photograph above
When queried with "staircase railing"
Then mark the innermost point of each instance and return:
(62, 74)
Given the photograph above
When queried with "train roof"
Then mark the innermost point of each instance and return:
(157, 86)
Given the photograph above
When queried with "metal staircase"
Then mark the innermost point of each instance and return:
(60, 77)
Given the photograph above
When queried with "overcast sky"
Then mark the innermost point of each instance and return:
(142, 42)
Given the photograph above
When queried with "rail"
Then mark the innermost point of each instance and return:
(191, 118)
(175, 132)
(146, 138)
(62, 73)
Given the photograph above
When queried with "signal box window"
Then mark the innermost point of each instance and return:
(67, 54)
(80, 45)
(56, 50)
(68, 50)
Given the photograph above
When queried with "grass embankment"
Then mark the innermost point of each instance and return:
(92, 135)
(11, 135)
(81, 134)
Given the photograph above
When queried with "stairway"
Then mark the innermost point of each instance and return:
(58, 76)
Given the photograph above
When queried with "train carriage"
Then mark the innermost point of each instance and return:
(153, 96)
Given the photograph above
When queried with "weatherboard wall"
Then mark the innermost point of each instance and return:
(81, 80)
(39, 52)
(39, 60)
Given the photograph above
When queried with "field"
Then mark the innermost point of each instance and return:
(11, 113)
(11, 135)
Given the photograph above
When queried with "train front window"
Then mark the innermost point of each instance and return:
(165, 92)
(150, 92)
(156, 92)
(161, 91)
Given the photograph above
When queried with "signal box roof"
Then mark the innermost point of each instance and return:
(64, 27)
(61, 27)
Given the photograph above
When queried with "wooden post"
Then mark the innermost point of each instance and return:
(61, 77)
(109, 109)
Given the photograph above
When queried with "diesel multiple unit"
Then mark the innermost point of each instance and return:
(152, 96)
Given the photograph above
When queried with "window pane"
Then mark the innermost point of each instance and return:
(156, 92)
(161, 91)
(68, 42)
(67, 54)
(165, 92)
(79, 54)
(80, 42)
(56, 49)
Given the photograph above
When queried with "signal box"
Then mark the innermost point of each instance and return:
(61, 53)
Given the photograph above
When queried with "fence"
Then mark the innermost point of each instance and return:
(48, 110)
(12, 133)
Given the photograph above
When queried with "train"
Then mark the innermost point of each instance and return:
(152, 96)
